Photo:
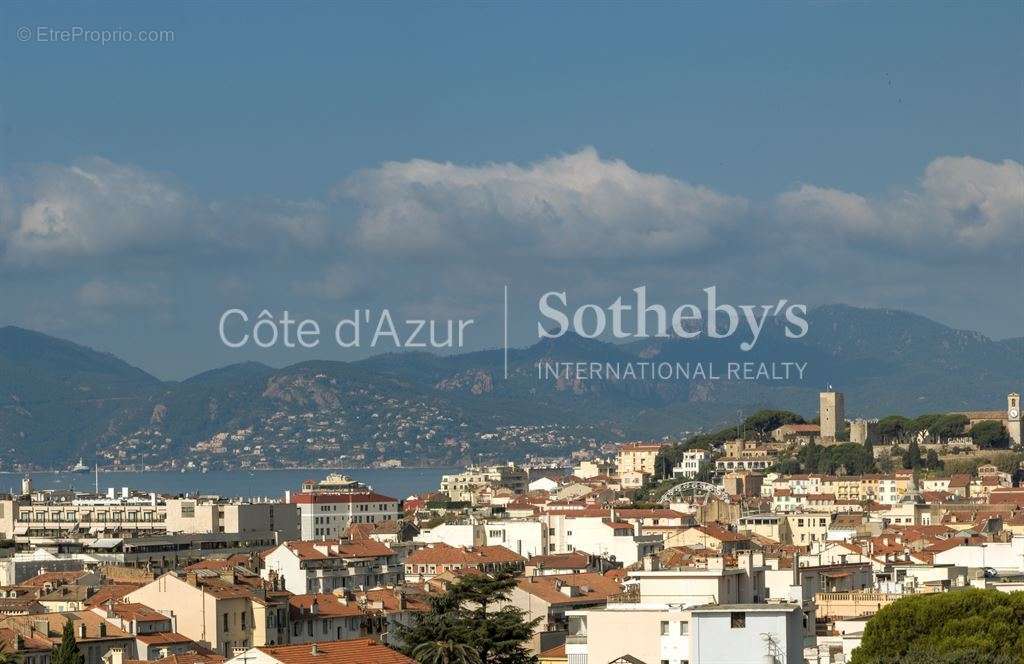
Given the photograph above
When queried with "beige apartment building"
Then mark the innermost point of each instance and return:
(638, 458)
(129, 514)
(65, 514)
(212, 515)
(887, 489)
(221, 614)
(807, 527)
(463, 486)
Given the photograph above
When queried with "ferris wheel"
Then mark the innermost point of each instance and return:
(695, 493)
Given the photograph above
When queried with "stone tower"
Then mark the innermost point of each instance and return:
(859, 430)
(832, 414)
(1013, 417)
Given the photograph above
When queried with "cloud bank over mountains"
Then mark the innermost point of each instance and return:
(573, 206)
(439, 235)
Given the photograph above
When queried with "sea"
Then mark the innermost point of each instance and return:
(395, 482)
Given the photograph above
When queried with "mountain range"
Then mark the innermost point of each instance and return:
(60, 400)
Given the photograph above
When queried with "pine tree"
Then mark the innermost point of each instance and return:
(912, 457)
(465, 615)
(67, 652)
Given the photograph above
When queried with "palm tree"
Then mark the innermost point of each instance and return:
(446, 652)
(12, 657)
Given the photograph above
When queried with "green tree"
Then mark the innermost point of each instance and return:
(466, 614)
(10, 656)
(932, 461)
(445, 652)
(763, 422)
(990, 435)
(959, 626)
(851, 458)
(912, 455)
(67, 652)
(925, 422)
(893, 427)
(949, 426)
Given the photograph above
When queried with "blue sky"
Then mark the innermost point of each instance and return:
(295, 113)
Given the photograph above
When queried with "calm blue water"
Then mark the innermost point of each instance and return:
(397, 482)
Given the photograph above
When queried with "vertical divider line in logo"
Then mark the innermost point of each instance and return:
(506, 332)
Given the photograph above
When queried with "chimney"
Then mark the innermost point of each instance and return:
(746, 560)
(116, 656)
(651, 563)
(314, 650)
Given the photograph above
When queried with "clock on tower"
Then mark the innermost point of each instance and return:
(1013, 417)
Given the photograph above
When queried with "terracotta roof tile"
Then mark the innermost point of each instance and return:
(355, 651)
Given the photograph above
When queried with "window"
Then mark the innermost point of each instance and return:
(664, 628)
(737, 620)
(684, 628)
(225, 620)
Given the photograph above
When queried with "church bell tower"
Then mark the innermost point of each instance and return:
(1013, 417)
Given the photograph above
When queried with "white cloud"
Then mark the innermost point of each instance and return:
(91, 208)
(962, 206)
(96, 208)
(575, 205)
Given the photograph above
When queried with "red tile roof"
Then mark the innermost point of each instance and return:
(322, 550)
(163, 638)
(326, 605)
(346, 498)
(53, 577)
(443, 554)
(354, 651)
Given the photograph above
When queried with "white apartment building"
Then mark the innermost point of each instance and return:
(525, 537)
(328, 508)
(598, 535)
(125, 513)
(654, 622)
(747, 634)
(65, 514)
(1004, 557)
(309, 567)
(690, 466)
